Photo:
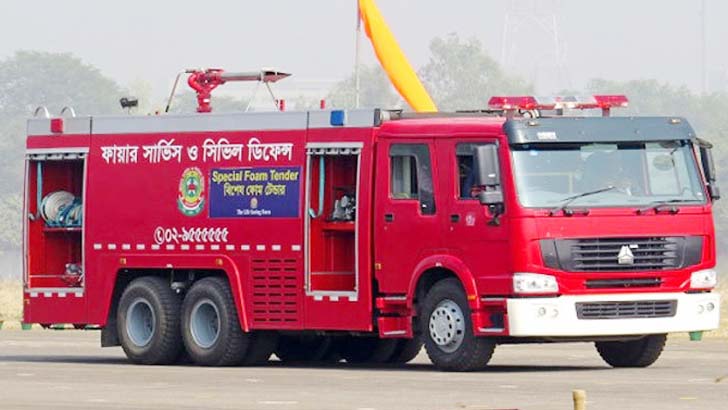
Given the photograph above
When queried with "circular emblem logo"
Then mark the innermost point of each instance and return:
(191, 196)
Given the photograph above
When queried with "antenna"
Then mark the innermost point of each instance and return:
(531, 39)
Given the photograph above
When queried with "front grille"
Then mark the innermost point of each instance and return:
(654, 253)
(623, 283)
(626, 310)
(602, 254)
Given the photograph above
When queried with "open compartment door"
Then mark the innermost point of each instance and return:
(53, 237)
(331, 215)
(333, 231)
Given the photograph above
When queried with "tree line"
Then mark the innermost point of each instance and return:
(459, 75)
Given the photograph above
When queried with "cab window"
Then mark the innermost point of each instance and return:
(411, 175)
(465, 171)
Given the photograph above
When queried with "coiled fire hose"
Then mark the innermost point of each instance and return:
(61, 208)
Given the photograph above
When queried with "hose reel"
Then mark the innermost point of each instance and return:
(61, 209)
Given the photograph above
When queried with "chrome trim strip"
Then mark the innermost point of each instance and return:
(51, 290)
(491, 329)
(64, 150)
(315, 145)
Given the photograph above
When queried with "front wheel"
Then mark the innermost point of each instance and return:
(448, 331)
(634, 353)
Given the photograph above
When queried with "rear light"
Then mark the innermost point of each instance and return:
(57, 125)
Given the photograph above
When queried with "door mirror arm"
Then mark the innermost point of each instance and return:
(493, 199)
(496, 210)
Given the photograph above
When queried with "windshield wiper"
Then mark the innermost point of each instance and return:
(568, 200)
(657, 205)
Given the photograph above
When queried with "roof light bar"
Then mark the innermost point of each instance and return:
(528, 103)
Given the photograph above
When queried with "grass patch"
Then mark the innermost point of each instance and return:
(11, 300)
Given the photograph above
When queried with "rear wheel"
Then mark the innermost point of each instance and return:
(448, 331)
(210, 327)
(368, 349)
(634, 353)
(148, 318)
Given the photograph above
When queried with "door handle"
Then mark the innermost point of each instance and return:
(388, 217)
(454, 218)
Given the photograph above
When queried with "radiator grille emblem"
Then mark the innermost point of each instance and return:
(625, 256)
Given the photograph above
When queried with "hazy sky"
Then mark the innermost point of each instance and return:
(152, 40)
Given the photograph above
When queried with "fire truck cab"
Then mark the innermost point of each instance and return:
(363, 234)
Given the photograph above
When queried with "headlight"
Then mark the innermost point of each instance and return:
(525, 283)
(704, 279)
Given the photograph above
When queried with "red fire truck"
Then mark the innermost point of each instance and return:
(363, 234)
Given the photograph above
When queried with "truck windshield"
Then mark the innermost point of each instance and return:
(640, 173)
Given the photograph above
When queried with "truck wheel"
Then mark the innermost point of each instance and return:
(406, 350)
(305, 348)
(634, 353)
(210, 327)
(448, 330)
(147, 320)
(262, 345)
(367, 349)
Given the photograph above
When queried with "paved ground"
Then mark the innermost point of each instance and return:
(67, 370)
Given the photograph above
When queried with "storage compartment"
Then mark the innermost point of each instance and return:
(332, 219)
(54, 232)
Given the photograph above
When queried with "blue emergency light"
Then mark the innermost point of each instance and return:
(338, 118)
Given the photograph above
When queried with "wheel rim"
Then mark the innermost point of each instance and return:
(205, 323)
(140, 322)
(447, 326)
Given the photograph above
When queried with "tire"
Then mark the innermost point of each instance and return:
(262, 345)
(210, 327)
(368, 349)
(634, 353)
(406, 350)
(306, 348)
(448, 331)
(148, 318)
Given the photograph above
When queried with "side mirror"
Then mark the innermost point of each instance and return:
(706, 159)
(485, 164)
(490, 197)
(487, 177)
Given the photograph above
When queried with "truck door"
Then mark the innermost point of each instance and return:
(54, 248)
(471, 234)
(407, 222)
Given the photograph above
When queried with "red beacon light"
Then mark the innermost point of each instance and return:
(557, 103)
(513, 103)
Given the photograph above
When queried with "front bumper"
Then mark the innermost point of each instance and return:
(557, 317)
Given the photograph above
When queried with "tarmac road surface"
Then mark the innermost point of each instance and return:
(67, 370)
